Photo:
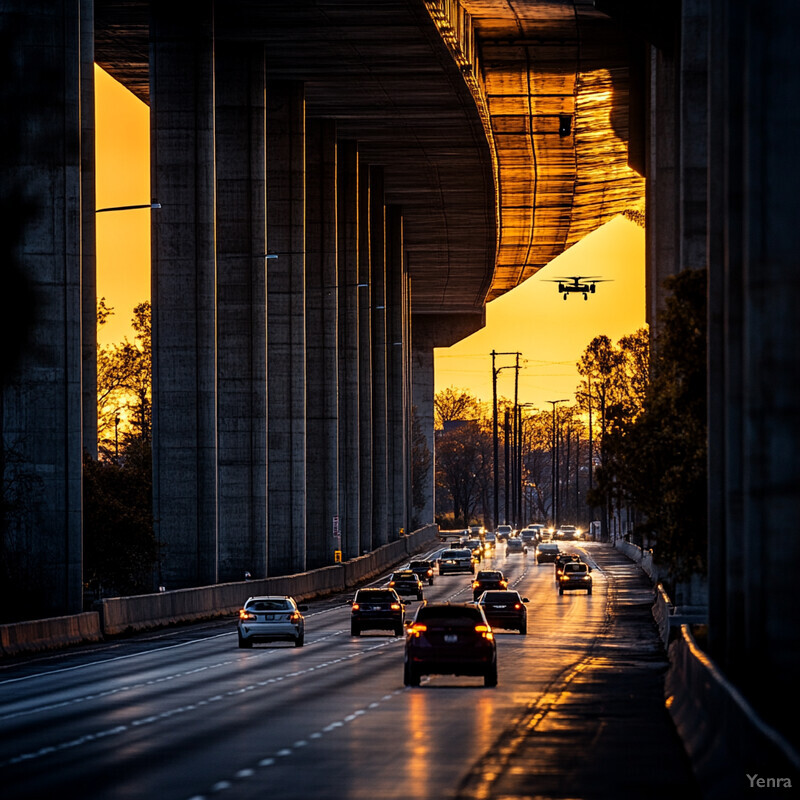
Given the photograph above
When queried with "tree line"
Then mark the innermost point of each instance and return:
(631, 448)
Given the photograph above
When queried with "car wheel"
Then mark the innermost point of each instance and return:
(490, 678)
(410, 676)
(355, 630)
(300, 640)
(245, 644)
(398, 630)
(430, 582)
(561, 590)
(589, 591)
(523, 629)
(419, 595)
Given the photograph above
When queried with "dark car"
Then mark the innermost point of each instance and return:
(547, 553)
(450, 639)
(456, 560)
(575, 576)
(406, 583)
(475, 546)
(516, 545)
(565, 558)
(503, 532)
(505, 610)
(377, 609)
(488, 579)
(424, 569)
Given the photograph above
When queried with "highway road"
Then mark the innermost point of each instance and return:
(184, 714)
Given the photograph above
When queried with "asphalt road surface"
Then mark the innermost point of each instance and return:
(184, 714)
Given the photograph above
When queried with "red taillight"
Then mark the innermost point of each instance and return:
(504, 584)
(485, 631)
(244, 614)
(395, 606)
(517, 606)
(417, 628)
(475, 584)
(391, 583)
(295, 617)
(356, 606)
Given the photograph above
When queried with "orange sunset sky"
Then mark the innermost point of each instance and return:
(549, 332)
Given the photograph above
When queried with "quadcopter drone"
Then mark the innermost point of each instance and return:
(583, 284)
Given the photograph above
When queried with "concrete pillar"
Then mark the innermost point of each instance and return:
(396, 371)
(241, 310)
(364, 360)
(347, 271)
(322, 308)
(41, 409)
(770, 242)
(422, 393)
(183, 295)
(377, 292)
(286, 328)
(88, 237)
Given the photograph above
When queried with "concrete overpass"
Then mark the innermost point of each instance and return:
(439, 152)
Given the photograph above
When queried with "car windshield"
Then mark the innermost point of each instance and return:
(456, 554)
(490, 576)
(420, 564)
(403, 576)
(548, 548)
(268, 605)
(500, 597)
(375, 596)
(448, 615)
(576, 568)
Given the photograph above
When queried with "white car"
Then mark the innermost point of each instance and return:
(272, 618)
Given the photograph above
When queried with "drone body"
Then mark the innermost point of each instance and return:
(582, 284)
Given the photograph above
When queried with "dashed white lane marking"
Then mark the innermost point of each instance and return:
(145, 684)
(285, 752)
(154, 718)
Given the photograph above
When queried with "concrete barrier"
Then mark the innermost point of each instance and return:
(725, 738)
(118, 615)
(47, 634)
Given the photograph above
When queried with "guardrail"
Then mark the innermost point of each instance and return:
(117, 615)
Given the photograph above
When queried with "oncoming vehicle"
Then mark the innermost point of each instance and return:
(450, 639)
(476, 546)
(503, 532)
(516, 545)
(568, 533)
(547, 553)
(405, 582)
(424, 570)
(528, 536)
(377, 609)
(271, 618)
(575, 576)
(456, 560)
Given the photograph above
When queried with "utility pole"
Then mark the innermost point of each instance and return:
(554, 465)
(495, 436)
(506, 452)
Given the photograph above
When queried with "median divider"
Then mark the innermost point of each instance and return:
(119, 615)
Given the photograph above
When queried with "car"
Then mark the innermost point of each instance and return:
(476, 546)
(575, 576)
(503, 532)
(271, 618)
(424, 569)
(568, 533)
(538, 529)
(405, 582)
(450, 639)
(516, 545)
(488, 579)
(489, 541)
(476, 531)
(505, 609)
(456, 560)
(547, 553)
(528, 535)
(375, 608)
(564, 558)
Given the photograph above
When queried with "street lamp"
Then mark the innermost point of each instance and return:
(554, 466)
(496, 454)
(520, 439)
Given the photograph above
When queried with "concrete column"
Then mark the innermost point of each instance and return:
(41, 404)
(347, 271)
(286, 328)
(770, 242)
(88, 237)
(364, 360)
(380, 481)
(422, 391)
(183, 298)
(322, 308)
(395, 368)
(241, 311)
